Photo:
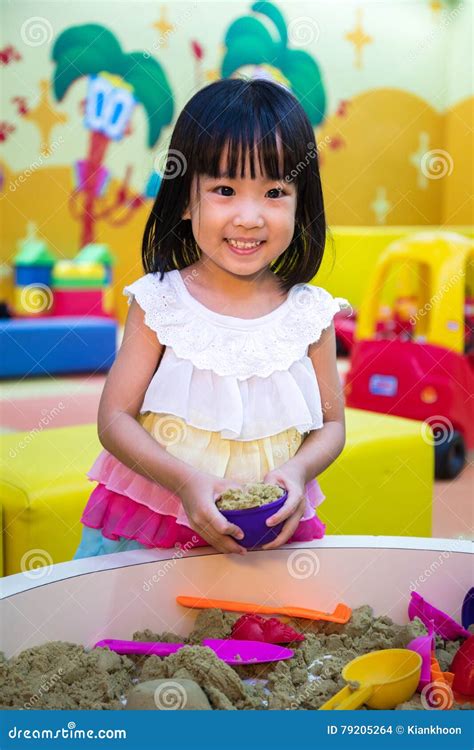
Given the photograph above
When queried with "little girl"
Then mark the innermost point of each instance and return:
(227, 370)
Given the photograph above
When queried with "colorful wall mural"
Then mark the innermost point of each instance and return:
(90, 92)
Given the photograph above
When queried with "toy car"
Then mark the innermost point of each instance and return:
(413, 354)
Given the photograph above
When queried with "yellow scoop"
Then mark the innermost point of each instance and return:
(386, 678)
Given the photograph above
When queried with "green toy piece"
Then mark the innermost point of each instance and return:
(95, 253)
(33, 251)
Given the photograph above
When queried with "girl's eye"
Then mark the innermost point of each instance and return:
(277, 193)
(225, 187)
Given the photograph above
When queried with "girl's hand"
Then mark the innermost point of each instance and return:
(292, 479)
(199, 501)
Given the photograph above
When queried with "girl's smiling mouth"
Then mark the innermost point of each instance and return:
(244, 247)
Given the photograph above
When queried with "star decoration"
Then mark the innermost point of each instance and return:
(212, 74)
(164, 28)
(45, 117)
(359, 39)
(381, 205)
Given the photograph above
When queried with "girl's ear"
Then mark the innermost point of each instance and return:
(187, 213)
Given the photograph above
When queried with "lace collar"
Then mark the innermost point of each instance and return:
(231, 346)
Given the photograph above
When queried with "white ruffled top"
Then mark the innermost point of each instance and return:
(244, 378)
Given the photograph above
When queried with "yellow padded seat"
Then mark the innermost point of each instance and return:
(381, 484)
(44, 487)
(383, 481)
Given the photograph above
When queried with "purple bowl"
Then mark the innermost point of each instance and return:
(252, 522)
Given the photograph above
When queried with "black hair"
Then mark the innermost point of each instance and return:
(246, 116)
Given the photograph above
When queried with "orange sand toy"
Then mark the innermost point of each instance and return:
(341, 614)
(444, 678)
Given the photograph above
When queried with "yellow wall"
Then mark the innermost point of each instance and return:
(401, 95)
(457, 206)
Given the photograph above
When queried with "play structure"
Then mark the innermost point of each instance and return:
(58, 315)
(413, 354)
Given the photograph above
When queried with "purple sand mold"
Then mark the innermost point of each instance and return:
(252, 522)
(467, 614)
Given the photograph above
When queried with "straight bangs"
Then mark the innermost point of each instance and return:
(242, 143)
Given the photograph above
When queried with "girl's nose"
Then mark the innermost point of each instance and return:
(248, 218)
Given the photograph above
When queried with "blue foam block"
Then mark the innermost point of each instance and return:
(49, 346)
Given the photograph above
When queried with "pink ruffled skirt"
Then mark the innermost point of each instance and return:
(119, 517)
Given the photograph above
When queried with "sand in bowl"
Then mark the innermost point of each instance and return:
(250, 495)
(65, 675)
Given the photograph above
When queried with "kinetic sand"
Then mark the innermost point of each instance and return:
(60, 675)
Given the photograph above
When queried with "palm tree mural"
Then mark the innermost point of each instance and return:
(248, 42)
(117, 82)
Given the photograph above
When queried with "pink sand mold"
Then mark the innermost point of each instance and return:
(231, 651)
(443, 624)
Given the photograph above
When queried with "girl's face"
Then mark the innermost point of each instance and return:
(242, 225)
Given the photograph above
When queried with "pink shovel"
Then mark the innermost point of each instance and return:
(231, 651)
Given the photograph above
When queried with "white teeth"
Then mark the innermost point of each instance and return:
(244, 245)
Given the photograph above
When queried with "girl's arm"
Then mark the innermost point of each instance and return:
(127, 440)
(122, 397)
(320, 448)
(323, 446)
